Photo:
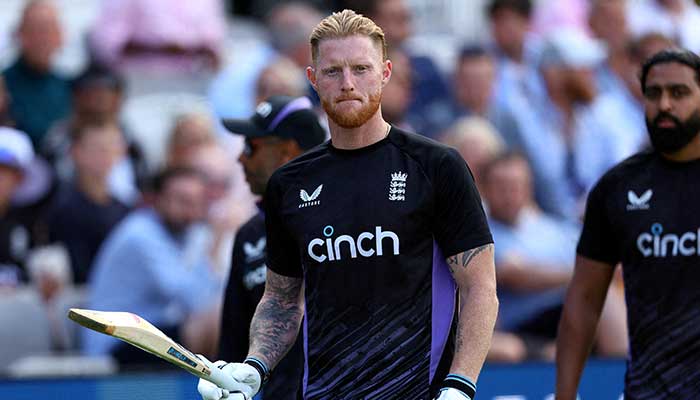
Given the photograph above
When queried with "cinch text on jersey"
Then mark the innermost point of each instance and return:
(658, 245)
(366, 244)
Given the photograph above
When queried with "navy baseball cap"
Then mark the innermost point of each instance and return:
(282, 116)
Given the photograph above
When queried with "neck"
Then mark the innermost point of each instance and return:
(690, 152)
(617, 61)
(372, 131)
(516, 54)
(94, 188)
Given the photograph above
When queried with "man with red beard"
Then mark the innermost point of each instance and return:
(377, 241)
(643, 215)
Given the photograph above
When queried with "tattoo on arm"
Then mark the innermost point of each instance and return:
(276, 321)
(466, 257)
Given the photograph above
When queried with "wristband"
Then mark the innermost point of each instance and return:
(461, 383)
(260, 367)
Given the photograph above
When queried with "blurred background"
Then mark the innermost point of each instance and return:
(109, 131)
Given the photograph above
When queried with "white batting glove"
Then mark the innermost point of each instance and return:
(452, 394)
(247, 375)
(248, 378)
(210, 391)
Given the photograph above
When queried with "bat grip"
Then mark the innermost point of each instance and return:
(224, 380)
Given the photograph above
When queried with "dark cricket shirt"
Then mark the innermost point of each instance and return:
(368, 230)
(246, 284)
(645, 213)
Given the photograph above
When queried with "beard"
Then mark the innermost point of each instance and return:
(671, 140)
(353, 119)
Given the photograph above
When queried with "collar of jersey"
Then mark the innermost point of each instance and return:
(361, 150)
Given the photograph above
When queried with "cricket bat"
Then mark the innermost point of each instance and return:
(140, 333)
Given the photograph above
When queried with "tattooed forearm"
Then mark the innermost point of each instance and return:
(276, 321)
(463, 259)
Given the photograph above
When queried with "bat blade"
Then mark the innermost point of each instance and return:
(140, 333)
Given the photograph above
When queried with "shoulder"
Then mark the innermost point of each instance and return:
(141, 225)
(627, 168)
(11, 71)
(255, 226)
(426, 151)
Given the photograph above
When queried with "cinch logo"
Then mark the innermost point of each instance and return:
(367, 244)
(658, 245)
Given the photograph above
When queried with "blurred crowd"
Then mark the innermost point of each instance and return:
(120, 190)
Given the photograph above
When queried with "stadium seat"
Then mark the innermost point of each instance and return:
(24, 326)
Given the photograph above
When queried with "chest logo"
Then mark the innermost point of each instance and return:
(638, 202)
(397, 186)
(310, 200)
(254, 252)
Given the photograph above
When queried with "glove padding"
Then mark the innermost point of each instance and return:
(246, 375)
(452, 394)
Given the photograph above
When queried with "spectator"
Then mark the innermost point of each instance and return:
(280, 77)
(584, 132)
(39, 97)
(534, 263)
(159, 35)
(232, 92)
(398, 94)
(477, 141)
(225, 212)
(676, 19)
(475, 75)
(474, 92)
(97, 96)
(618, 73)
(16, 154)
(641, 49)
(84, 210)
(608, 22)
(189, 132)
(149, 266)
(510, 28)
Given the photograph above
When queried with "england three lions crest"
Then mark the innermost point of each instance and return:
(397, 186)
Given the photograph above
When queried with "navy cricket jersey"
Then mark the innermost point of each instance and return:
(368, 230)
(246, 284)
(645, 213)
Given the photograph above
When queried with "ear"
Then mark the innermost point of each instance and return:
(311, 76)
(290, 149)
(386, 72)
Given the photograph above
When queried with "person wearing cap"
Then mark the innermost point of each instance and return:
(643, 215)
(377, 239)
(16, 154)
(574, 132)
(281, 129)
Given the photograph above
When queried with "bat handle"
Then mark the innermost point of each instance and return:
(224, 380)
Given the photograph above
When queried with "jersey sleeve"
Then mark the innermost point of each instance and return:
(460, 222)
(597, 240)
(282, 252)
